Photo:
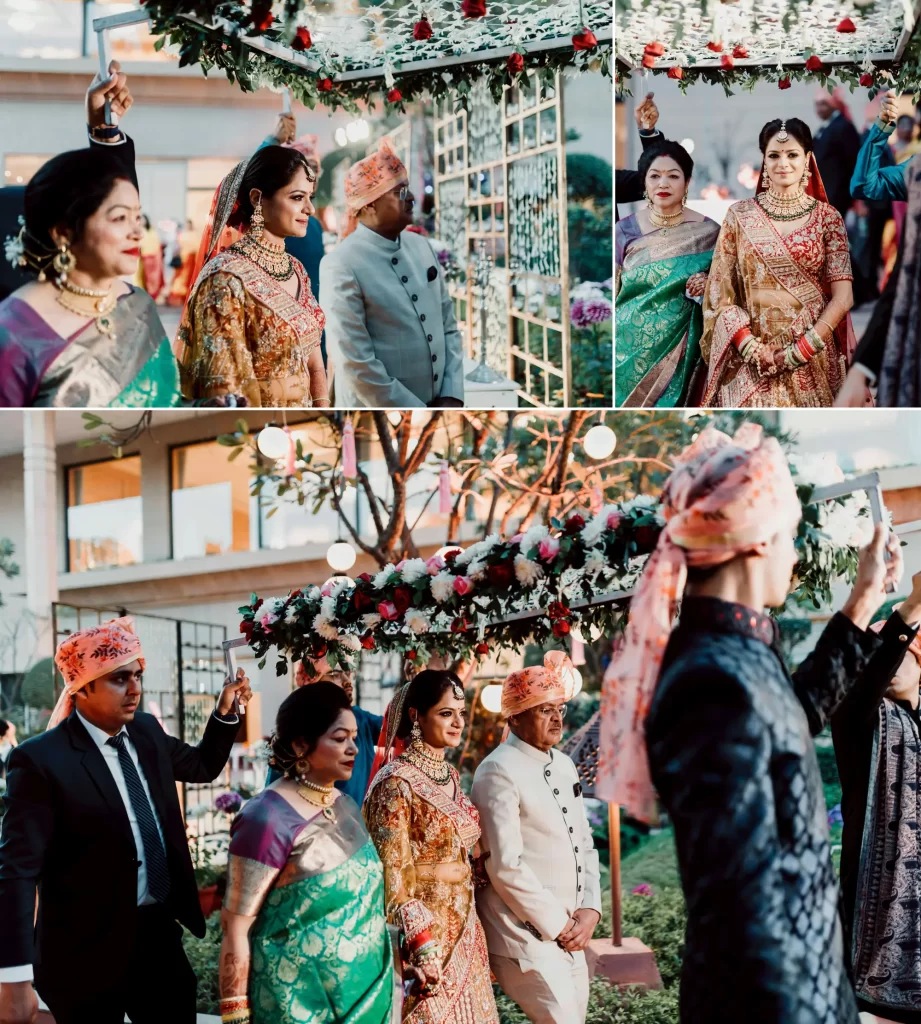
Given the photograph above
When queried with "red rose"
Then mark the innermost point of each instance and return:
(814, 64)
(846, 25)
(715, 47)
(451, 556)
(296, 593)
(482, 648)
(866, 79)
(560, 628)
(366, 577)
(394, 96)
(585, 40)
(246, 628)
(648, 60)
(500, 575)
(459, 625)
(784, 83)
(411, 655)
(646, 538)
(301, 40)
(325, 85)
(676, 73)
(402, 598)
(726, 61)
(388, 610)
(574, 523)
(654, 49)
(367, 642)
(257, 605)
(319, 650)
(515, 64)
(363, 602)
(422, 29)
(474, 8)
(262, 17)
(557, 610)
(739, 52)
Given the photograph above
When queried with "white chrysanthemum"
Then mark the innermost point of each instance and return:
(325, 628)
(594, 529)
(442, 586)
(291, 614)
(483, 601)
(413, 569)
(417, 621)
(477, 570)
(819, 469)
(641, 501)
(595, 563)
(587, 291)
(350, 641)
(478, 550)
(328, 607)
(276, 604)
(371, 620)
(380, 580)
(442, 622)
(312, 593)
(527, 572)
(13, 246)
(533, 537)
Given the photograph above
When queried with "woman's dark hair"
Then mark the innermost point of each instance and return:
(66, 192)
(306, 714)
(270, 169)
(425, 691)
(667, 148)
(4, 726)
(145, 220)
(794, 126)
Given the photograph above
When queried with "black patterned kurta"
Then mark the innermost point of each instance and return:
(732, 757)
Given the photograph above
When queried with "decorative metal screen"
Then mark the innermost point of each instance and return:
(183, 659)
(503, 165)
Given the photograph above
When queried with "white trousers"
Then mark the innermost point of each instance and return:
(551, 988)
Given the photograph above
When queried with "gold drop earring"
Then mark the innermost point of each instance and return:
(64, 262)
(257, 221)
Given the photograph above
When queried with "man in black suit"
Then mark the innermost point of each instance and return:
(836, 145)
(629, 185)
(93, 823)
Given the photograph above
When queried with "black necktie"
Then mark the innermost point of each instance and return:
(154, 854)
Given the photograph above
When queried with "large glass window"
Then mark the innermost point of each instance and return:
(104, 525)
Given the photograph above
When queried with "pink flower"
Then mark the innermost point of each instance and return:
(586, 312)
(462, 585)
(400, 564)
(327, 588)
(388, 610)
(643, 890)
(548, 548)
(516, 539)
(268, 619)
(614, 520)
(434, 565)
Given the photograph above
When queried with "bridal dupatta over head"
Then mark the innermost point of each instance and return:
(241, 332)
(778, 287)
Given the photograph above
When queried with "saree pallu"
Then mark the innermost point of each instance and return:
(244, 334)
(886, 943)
(900, 373)
(320, 949)
(420, 833)
(778, 287)
(132, 367)
(657, 327)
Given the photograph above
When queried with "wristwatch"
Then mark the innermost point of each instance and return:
(105, 132)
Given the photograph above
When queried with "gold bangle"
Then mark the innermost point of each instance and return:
(827, 324)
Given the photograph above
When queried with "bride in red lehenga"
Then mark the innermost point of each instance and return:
(777, 331)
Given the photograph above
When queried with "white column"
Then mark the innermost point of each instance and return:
(41, 508)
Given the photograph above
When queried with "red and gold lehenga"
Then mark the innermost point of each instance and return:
(424, 836)
(242, 333)
(778, 287)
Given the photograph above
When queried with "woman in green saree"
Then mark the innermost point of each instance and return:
(662, 256)
(305, 938)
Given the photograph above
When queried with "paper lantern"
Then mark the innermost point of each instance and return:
(272, 442)
(599, 442)
(491, 698)
(341, 556)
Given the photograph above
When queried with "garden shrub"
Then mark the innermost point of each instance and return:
(203, 956)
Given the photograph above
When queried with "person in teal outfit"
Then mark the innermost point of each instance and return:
(305, 936)
(79, 335)
(662, 256)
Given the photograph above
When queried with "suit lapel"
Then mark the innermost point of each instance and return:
(97, 769)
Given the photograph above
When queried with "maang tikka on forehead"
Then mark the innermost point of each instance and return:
(782, 135)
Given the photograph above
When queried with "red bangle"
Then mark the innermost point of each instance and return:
(805, 348)
(740, 335)
(419, 940)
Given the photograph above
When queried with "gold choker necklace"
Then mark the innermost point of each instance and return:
(437, 769)
(308, 791)
(665, 220)
(786, 207)
(88, 302)
(270, 258)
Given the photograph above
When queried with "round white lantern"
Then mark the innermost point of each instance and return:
(594, 633)
(599, 442)
(272, 442)
(441, 552)
(341, 556)
(491, 698)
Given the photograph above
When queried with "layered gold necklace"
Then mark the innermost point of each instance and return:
(435, 768)
(665, 220)
(271, 258)
(779, 206)
(88, 302)
(319, 796)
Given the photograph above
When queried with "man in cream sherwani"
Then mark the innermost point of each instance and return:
(391, 333)
(544, 898)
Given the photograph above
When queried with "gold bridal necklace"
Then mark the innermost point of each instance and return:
(434, 768)
(88, 302)
(271, 258)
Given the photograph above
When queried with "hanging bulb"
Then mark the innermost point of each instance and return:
(599, 442)
(273, 442)
(491, 698)
(341, 556)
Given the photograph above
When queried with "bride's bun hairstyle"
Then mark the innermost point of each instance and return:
(425, 691)
(270, 169)
(667, 148)
(795, 128)
(305, 714)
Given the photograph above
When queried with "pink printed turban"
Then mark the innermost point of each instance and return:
(525, 689)
(725, 497)
(914, 647)
(90, 654)
(370, 178)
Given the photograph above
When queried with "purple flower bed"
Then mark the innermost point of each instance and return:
(228, 803)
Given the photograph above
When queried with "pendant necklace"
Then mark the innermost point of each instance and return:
(436, 769)
(88, 302)
(319, 796)
(665, 221)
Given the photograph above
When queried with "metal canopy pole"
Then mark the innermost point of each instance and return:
(101, 27)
